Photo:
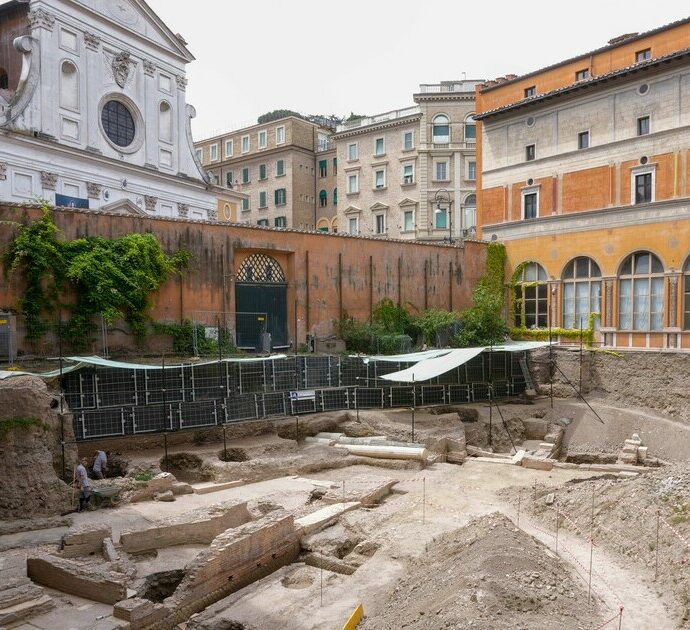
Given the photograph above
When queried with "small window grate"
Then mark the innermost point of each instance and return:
(260, 268)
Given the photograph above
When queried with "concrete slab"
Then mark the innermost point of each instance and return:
(208, 487)
(321, 518)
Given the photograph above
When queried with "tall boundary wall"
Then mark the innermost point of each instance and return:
(328, 275)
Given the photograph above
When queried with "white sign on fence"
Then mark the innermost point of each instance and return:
(305, 394)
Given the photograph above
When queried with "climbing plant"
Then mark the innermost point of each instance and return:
(483, 323)
(87, 277)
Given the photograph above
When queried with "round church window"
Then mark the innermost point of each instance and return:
(118, 123)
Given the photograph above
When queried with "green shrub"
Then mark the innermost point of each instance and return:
(144, 476)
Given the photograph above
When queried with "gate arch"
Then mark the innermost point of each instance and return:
(260, 302)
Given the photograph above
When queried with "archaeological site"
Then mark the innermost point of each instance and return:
(520, 486)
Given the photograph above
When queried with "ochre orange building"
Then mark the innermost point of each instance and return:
(583, 173)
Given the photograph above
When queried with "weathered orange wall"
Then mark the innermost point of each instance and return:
(339, 265)
(494, 208)
(587, 189)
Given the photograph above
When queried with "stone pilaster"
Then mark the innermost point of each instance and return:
(608, 302)
(93, 190)
(40, 18)
(673, 301)
(3, 171)
(91, 41)
(150, 203)
(48, 180)
(182, 210)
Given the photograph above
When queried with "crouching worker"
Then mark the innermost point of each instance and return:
(83, 484)
(100, 464)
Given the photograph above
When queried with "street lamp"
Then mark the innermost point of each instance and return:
(444, 196)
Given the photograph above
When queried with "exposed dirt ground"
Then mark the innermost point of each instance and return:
(411, 555)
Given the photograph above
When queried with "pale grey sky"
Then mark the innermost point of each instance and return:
(368, 56)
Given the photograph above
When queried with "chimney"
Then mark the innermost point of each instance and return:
(510, 77)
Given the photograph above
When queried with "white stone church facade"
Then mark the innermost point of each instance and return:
(93, 111)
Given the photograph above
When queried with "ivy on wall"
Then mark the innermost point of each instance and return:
(88, 277)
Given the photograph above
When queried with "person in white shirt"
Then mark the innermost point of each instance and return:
(83, 484)
(100, 464)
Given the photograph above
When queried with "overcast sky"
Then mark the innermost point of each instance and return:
(369, 56)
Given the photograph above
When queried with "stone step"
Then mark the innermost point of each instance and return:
(19, 593)
(25, 610)
(206, 488)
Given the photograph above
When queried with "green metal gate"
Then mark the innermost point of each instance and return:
(260, 303)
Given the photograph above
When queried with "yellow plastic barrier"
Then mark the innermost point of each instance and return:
(355, 618)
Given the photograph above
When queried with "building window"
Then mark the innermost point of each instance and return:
(380, 223)
(441, 171)
(262, 222)
(441, 129)
(352, 152)
(262, 139)
(4, 80)
(323, 168)
(581, 75)
(229, 148)
(335, 166)
(245, 204)
(118, 124)
(280, 222)
(641, 293)
(470, 129)
(581, 292)
(408, 174)
(408, 221)
(441, 219)
(323, 198)
(380, 178)
(530, 152)
(280, 168)
(583, 140)
(245, 175)
(643, 126)
(69, 86)
(229, 179)
(353, 225)
(380, 147)
(469, 213)
(530, 205)
(199, 154)
(245, 144)
(643, 55)
(262, 171)
(643, 186)
(408, 141)
(531, 296)
(471, 170)
(280, 197)
(213, 149)
(530, 91)
(280, 135)
(262, 200)
(335, 196)
(353, 184)
(686, 296)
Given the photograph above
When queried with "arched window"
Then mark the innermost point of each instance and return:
(69, 86)
(470, 129)
(581, 292)
(469, 213)
(641, 293)
(686, 296)
(4, 80)
(323, 198)
(334, 224)
(441, 129)
(165, 122)
(531, 301)
(323, 225)
(260, 268)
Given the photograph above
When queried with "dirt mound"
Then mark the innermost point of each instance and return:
(625, 521)
(488, 575)
(187, 467)
(30, 450)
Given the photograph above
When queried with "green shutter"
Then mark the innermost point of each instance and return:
(323, 195)
(335, 196)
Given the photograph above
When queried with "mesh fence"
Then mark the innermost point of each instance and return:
(111, 401)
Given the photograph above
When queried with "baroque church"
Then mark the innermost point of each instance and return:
(93, 111)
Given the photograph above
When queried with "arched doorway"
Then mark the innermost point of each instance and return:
(260, 302)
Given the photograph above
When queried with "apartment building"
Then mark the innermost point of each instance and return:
(583, 173)
(410, 173)
(274, 166)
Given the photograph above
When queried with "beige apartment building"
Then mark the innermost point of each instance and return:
(410, 173)
(275, 166)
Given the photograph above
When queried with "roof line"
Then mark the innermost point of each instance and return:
(581, 85)
(585, 55)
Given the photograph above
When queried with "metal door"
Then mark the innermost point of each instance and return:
(260, 303)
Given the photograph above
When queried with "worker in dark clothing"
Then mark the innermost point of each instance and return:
(84, 485)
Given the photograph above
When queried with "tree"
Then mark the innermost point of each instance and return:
(276, 114)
